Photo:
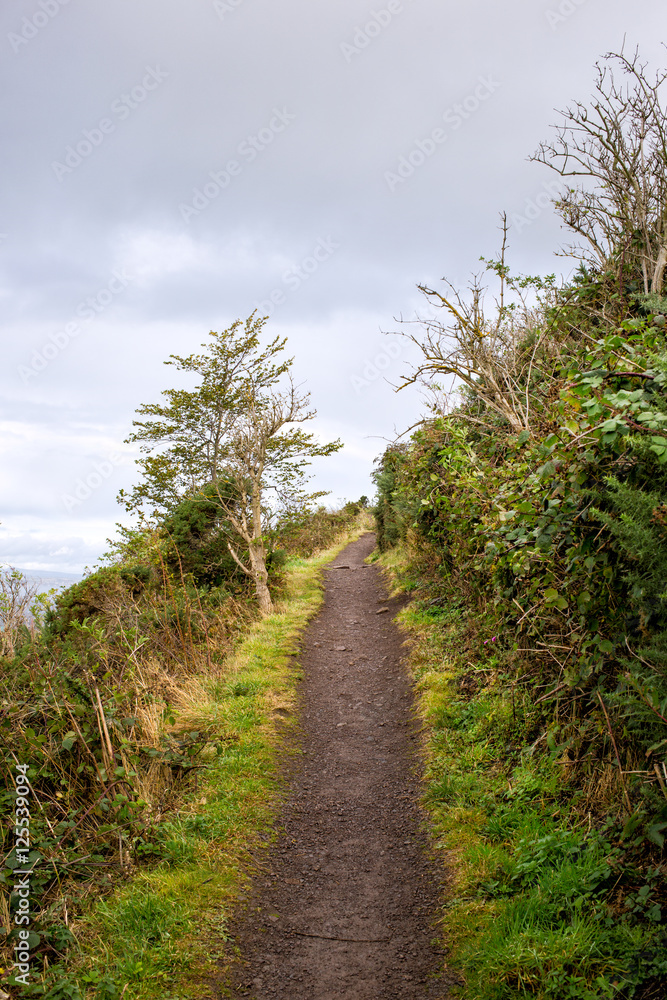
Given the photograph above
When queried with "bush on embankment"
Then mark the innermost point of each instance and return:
(96, 701)
(541, 553)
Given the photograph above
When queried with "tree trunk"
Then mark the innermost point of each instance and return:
(261, 578)
(658, 274)
(256, 549)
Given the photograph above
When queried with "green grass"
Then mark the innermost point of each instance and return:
(161, 933)
(537, 902)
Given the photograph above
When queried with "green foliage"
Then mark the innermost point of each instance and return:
(390, 513)
(87, 702)
(88, 598)
(184, 437)
(636, 520)
(547, 899)
(198, 540)
(302, 533)
(22, 610)
(550, 545)
(142, 932)
(234, 442)
(559, 527)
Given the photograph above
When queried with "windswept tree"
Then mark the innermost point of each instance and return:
(235, 433)
(494, 354)
(613, 154)
(21, 608)
(614, 148)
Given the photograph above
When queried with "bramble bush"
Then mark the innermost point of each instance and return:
(552, 541)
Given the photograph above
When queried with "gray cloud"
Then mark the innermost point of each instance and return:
(147, 104)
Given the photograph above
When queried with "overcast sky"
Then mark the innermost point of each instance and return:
(171, 166)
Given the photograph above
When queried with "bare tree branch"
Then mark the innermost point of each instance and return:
(619, 143)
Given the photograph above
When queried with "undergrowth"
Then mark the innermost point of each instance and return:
(553, 894)
(531, 503)
(147, 711)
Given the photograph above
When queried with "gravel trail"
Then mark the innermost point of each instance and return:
(348, 905)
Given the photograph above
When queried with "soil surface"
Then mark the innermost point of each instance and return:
(348, 904)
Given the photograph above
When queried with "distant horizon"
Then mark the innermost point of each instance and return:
(44, 576)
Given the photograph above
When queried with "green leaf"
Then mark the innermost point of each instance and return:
(507, 515)
(554, 599)
(631, 825)
(650, 415)
(547, 470)
(655, 834)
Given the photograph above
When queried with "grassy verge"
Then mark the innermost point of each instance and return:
(161, 933)
(550, 897)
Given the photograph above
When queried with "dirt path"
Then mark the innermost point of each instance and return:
(348, 905)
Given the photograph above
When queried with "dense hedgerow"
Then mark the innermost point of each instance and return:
(552, 542)
(533, 519)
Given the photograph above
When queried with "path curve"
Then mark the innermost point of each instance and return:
(348, 906)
